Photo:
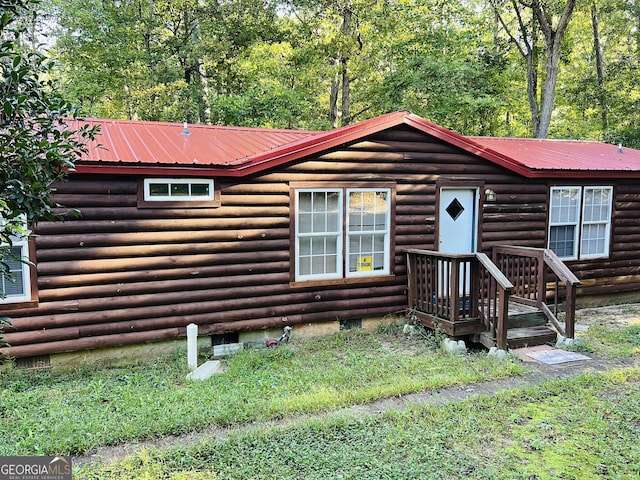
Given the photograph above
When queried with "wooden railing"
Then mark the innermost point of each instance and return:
(539, 275)
(432, 278)
(495, 291)
(459, 287)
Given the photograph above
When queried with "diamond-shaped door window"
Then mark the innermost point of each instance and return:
(455, 209)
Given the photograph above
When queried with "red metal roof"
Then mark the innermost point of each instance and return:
(128, 142)
(161, 148)
(565, 157)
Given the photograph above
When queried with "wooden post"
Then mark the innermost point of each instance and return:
(474, 294)
(411, 275)
(541, 294)
(454, 290)
(570, 311)
(503, 319)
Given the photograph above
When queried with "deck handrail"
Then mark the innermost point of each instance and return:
(495, 272)
(495, 290)
(530, 279)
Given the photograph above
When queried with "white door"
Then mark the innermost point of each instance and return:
(457, 229)
(458, 220)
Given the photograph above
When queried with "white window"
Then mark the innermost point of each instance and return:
(596, 222)
(580, 221)
(178, 189)
(15, 281)
(319, 234)
(335, 223)
(368, 232)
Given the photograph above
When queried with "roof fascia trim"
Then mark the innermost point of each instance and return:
(107, 169)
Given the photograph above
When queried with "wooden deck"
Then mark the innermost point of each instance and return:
(470, 296)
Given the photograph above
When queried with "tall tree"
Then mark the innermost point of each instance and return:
(525, 22)
(155, 59)
(37, 146)
(438, 59)
(599, 65)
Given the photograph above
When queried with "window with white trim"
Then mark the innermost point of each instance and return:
(342, 233)
(15, 281)
(178, 189)
(580, 221)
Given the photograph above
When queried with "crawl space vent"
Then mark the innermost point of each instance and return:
(352, 324)
(30, 363)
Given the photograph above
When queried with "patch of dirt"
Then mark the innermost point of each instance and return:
(614, 315)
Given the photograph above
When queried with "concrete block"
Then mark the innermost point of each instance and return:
(306, 330)
(259, 336)
(372, 323)
(452, 346)
(205, 371)
(227, 349)
(566, 342)
(497, 353)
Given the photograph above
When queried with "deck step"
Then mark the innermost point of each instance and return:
(521, 316)
(522, 337)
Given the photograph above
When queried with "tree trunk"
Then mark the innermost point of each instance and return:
(532, 88)
(334, 89)
(205, 109)
(597, 49)
(525, 41)
(548, 93)
(553, 41)
(346, 33)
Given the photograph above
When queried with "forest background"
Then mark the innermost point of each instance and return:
(543, 68)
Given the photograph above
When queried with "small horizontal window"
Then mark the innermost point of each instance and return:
(178, 190)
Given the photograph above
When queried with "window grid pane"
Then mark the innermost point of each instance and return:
(368, 231)
(593, 239)
(173, 189)
(596, 221)
(564, 218)
(14, 286)
(562, 240)
(318, 233)
(565, 203)
(366, 252)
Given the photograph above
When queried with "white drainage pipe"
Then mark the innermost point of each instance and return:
(192, 346)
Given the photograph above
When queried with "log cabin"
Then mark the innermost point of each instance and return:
(244, 230)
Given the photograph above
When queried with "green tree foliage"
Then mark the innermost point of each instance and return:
(441, 66)
(155, 60)
(601, 101)
(36, 145)
(316, 64)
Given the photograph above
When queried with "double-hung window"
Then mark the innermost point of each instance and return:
(342, 233)
(580, 221)
(15, 281)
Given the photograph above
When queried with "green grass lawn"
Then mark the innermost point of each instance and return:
(585, 427)
(49, 414)
(582, 428)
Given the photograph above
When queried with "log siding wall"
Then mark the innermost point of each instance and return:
(120, 274)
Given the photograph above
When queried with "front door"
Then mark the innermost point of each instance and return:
(458, 220)
(457, 230)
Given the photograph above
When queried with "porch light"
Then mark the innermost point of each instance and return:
(489, 195)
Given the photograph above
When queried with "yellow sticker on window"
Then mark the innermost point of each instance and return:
(364, 264)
